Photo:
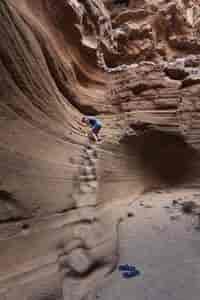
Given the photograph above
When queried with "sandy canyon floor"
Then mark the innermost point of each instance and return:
(164, 244)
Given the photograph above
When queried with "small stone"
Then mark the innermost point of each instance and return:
(175, 218)
(130, 214)
(148, 206)
(175, 202)
(188, 207)
(159, 191)
(84, 188)
(79, 261)
(93, 184)
(25, 226)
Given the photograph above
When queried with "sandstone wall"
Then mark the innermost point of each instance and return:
(137, 67)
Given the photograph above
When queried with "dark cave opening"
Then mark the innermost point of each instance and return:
(165, 156)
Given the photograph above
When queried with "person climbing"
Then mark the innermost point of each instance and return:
(95, 125)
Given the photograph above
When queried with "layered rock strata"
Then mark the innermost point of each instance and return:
(135, 64)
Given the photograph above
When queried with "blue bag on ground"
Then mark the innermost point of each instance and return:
(128, 271)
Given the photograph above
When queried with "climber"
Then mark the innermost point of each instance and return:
(95, 124)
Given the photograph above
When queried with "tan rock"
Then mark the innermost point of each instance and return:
(79, 261)
(136, 67)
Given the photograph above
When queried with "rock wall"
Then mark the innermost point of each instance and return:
(133, 63)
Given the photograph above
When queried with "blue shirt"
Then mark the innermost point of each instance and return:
(93, 121)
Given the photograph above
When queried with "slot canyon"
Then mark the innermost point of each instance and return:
(72, 210)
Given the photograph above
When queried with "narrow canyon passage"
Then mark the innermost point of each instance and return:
(72, 210)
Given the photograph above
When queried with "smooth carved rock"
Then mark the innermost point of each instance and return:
(79, 261)
(88, 177)
(86, 188)
(93, 184)
(60, 60)
(84, 200)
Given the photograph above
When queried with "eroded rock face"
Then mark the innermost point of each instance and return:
(136, 64)
(150, 30)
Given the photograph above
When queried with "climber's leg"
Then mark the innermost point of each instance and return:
(95, 131)
(92, 136)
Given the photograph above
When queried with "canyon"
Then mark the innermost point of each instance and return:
(133, 64)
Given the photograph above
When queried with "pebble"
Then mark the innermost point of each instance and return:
(188, 207)
(175, 218)
(130, 214)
